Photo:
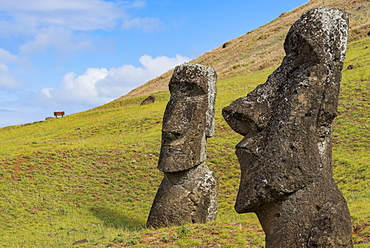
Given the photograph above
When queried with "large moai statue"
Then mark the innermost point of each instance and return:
(188, 192)
(286, 154)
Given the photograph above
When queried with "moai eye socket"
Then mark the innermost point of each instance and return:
(170, 136)
(186, 89)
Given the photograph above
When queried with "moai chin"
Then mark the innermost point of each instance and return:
(286, 154)
(188, 192)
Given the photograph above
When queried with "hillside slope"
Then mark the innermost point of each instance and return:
(263, 47)
(89, 178)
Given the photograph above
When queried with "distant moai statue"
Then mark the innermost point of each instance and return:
(149, 100)
(286, 154)
(188, 192)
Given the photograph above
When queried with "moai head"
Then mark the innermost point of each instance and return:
(319, 36)
(188, 118)
(287, 120)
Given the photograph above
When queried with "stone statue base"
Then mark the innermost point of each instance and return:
(297, 221)
(186, 196)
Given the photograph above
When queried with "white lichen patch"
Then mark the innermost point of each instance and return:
(208, 184)
(322, 146)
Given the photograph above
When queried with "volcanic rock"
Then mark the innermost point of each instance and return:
(286, 154)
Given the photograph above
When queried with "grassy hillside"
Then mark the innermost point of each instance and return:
(263, 47)
(91, 177)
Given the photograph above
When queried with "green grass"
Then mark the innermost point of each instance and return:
(351, 151)
(93, 175)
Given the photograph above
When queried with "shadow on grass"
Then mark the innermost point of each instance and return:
(116, 219)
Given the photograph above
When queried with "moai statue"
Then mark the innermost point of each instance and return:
(286, 154)
(188, 192)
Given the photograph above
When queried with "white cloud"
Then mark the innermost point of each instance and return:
(85, 15)
(59, 38)
(7, 57)
(17, 112)
(7, 80)
(65, 24)
(77, 15)
(100, 85)
(30, 28)
(138, 4)
(145, 23)
(47, 92)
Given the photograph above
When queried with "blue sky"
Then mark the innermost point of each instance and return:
(74, 55)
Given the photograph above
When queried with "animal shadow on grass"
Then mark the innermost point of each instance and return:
(119, 220)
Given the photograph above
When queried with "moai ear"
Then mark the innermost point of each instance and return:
(211, 97)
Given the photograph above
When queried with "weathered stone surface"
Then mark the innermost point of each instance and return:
(185, 197)
(285, 156)
(226, 44)
(188, 192)
(80, 242)
(149, 100)
(188, 118)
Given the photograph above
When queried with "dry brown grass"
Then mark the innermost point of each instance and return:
(263, 47)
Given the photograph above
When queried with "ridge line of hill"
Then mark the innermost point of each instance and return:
(263, 47)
